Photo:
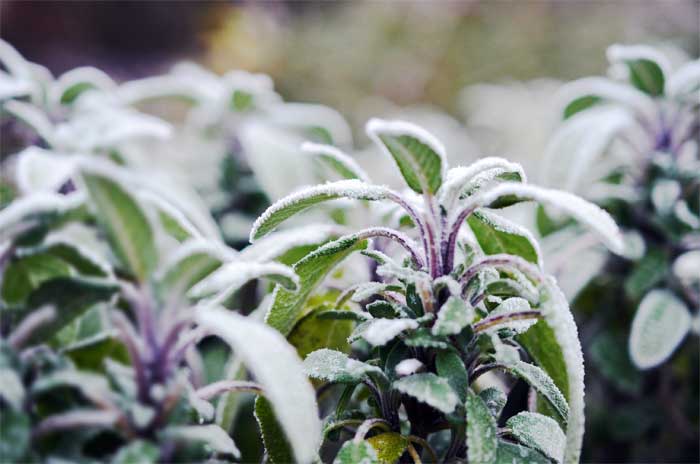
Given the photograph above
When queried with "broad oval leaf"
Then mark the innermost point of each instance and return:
(190, 263)
(453, 316)
(512, 453)
(419, 156)
(389, 446)
(464, 180)
(543, 384)
(288, 306)
(334, 366)
(275, 365)
(659, 326)
(496, 235)
(341, 163)
(430, 389)
(482, 440)
(538, 432)
(451, 367)
(297, 202)
(378, 332)
(360, 452)
(125, 223)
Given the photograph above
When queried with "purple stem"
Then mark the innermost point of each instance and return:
(398, 237)
(454, 233)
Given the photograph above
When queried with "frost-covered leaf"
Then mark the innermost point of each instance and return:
(125, 223)
(34, 117)
(275, 245)
(647, 67)
(659, 326)
(646, 273)
(22, 276)
(430, 389)
(341, 163)
(36, 207)
(274, 439)
(212, 435)
(275, 365)
(407, 367)
(538, 432)
(463, 180)
(312, 333)
(687, 267)
(288, 306)
(496, 235)
(190, 263)
(543, 384)
(227, 279)
(495, 400)
(424, 339)
(11, 387)
(579, 104)
(40, 170)
(15, 438)
(685, 81)
(353, 452)
(419, 156)
(450, 366)
(334, 366)
(482, 440)
(513, 453)
(453, 316)
(513, 313)
(138, 451)
(585, 212)
(389, 446)
(304, 199)
(378, 332)
(70, 85)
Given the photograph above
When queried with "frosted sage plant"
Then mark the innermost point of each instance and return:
(630, 143)
(456, 314)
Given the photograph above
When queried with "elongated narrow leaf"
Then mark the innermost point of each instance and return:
(514, 314)
(275, 365)
(659, 326)
(430, 389)
(378, 332)
(465, 180)
(580, 104)
(450, 366)
(125, 223)
(453, 316)
(334, 366)
(274, 439)
(419, 156)
(288, 306)
(496, 235)
(538, 432)
(304, 199)
(685, 82)
(24, 275)
(586, 213)
(543, 384)
(38, 207)
(189, 264)
(341, 163)
(482, 440)
(276, 245)
(212, 435)
(648, 67)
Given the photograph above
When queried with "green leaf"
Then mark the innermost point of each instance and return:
(287, 306)
(190, 268)
(495, 400)
(418, 155)
(356, 453)
(137, 452)
(378, 332)
(26, 274)
(424, 339)
(538, 432)
(312, 333)
(648, 272)
(543, 384)
(609, 355)
(81, 261)
(278, 449)
(389, 446)
(339, 162)
(454, 315)
(547, 225)
(497, 235)
(482, 440)
(511, 453)
(450, 366)
(15, 436)
(659, 326)
(241, 101)
(90, 354)
(580, 104)
(211, 435)
(71, 93)
(647, 76)
(334, 366)
(430, 389)
(11, 387)
(125, 223)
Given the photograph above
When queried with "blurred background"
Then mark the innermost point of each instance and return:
(491, 65)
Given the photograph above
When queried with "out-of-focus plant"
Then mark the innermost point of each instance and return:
(108, 285)
(466, 299)
(630, 143)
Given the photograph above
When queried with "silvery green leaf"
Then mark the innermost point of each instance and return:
(378, 332)
(190, 263)
(418, 154)
(341, 163)
(228, 278)
(407, 367)
(687, 267)
(137, 451)
(543, 384)
(170, 219)
(211, 434)
(353, 452)
(648, 68)
(454, 315)
(685, 81)
(288, 306)
(277, 446)
(659, 326)
(40, 170)
(495, 400)
(36, 206)
(124, 222)
(497, 234)
(424, 339)
(664, 194)
(461, 179)
(304, 199)
(450, 366)
(276, 244)
(512, 453)
(610, 91)
(11, 387)
(276, 366)
(334, 366)
(538, 432)
(482, 440)
(34, 118)
(70, 85)
(585, 212)
(430, 389)
(508, 315)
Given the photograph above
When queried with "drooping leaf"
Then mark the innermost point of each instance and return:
(496, 235)
(543, 384)
(482, 440)
(23, 276)
(454, 315)
(341, 163)
(334, 366)
(353, 452)
(125, 223)
(660, 324)
(389, 446)
(430, 389)
(276, 366)
(539, 432)
(312, 269)
(189, 264)
(450, 366)
(419, 156)
(466, 180)
(647, 76)
(276, 444)
(580, 104)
